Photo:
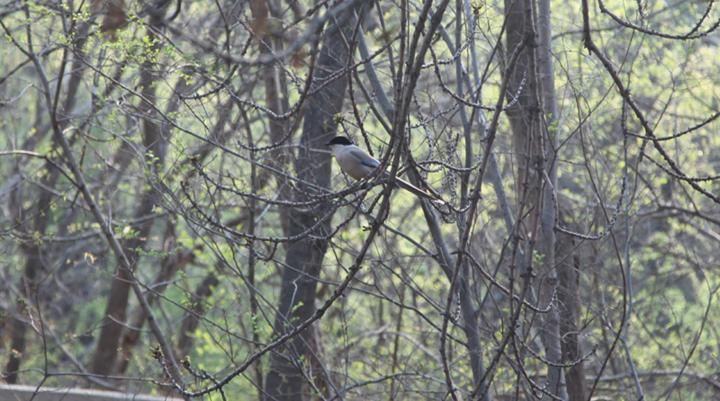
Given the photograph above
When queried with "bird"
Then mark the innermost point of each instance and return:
(356, 163)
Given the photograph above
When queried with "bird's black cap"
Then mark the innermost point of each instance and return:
(340, 140)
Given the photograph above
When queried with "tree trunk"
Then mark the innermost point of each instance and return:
(304, 257)
(170, 265)
(34, 252)
(196, 311)
(569, 300)
(275, 86)
(531, 112)
(154, 144)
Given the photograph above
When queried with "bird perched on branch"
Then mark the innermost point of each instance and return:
(356, 163)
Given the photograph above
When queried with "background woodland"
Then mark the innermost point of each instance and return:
(172, 222)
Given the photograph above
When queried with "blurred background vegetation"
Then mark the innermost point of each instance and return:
(171, 217)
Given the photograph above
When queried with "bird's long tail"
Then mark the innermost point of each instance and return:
(417, 191)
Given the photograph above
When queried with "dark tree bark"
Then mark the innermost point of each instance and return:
(196, 311)
(304, 257)
(34, 251)
(531, 113)
(154, 144)
(569, 301)
(18, 326)
(178, 259)
(275, 85)
(169, 266)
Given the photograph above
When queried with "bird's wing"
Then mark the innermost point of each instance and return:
(368, 161)
(364, 158)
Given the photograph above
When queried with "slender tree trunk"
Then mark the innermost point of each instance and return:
(18, 325)
(531, 114)
(170, 265)
(470, 318)
(275, 86)
(548, 133)
(196, 311)
(569, 300)
(284, 380)
(154, 144)
(34, 263)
